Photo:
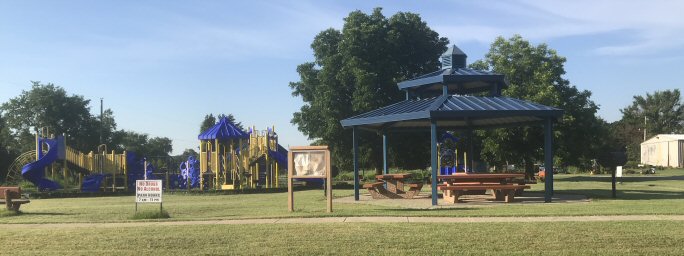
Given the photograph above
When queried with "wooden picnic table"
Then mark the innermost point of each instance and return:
(395, 184)
(504, 186)
(501, 178)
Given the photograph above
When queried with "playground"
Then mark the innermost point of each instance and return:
(406, 146)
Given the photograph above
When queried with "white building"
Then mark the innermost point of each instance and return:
(664, 150)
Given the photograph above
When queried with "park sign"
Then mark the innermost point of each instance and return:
(308, 162)
(148, 191)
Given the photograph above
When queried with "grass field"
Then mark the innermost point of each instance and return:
(643, 195)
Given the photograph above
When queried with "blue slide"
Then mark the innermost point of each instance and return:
(35, 171)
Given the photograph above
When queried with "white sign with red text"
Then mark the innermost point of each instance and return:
(148, 191)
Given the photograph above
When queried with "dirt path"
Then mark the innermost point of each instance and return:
(357, 220)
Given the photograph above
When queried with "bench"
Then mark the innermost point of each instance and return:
(501, 192)
(12, 198)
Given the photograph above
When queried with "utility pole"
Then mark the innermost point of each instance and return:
(102, 120)
(645, 118)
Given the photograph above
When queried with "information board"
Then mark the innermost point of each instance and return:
(148, 191)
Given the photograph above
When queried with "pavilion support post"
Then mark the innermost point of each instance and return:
(355, 146)
(469, 161)
(385, 170)
(433, 156)
(548, 160)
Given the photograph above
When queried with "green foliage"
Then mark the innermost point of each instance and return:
(210, 120)
(659, 113)
(663, 111)
(356, 70)
(147, 215)
(141, 144)
(48, 105)
(535, 73)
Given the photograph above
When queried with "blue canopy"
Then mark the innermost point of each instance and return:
(223, 130)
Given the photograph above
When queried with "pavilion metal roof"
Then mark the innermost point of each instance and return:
(223, 130)
(458, 81)
(454, 111)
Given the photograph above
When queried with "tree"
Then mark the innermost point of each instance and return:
(7, 148)
(47, 105)
(535, 73)
(356, 70)
(210, 120)
(142, 144)
(659, 113)
(662, 110)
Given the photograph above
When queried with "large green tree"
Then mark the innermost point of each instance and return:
(48, 105)
(356, 70)
(535, 73)
(659, 113)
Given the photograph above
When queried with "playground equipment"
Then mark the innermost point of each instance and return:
(92, 172)
(448, 158)
(230, 158)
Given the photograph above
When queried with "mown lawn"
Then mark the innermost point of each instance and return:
(549, 238)
(662, 193)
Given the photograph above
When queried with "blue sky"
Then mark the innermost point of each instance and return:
(162, 65)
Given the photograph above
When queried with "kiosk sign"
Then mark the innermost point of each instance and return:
(148, 191)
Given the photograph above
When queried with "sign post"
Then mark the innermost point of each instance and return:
(148, 191)
(309, 162)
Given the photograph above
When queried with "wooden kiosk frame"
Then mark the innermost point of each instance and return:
(316, 168)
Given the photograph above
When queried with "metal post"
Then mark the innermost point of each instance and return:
(101, 118)
(433, 155)
(470, 150)
(548, 160)
(355, 146)
(385, 170)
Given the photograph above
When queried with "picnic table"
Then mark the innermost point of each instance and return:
(504, 186)
(392, 186)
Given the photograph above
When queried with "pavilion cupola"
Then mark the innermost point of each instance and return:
(453, 58)
(454, 78)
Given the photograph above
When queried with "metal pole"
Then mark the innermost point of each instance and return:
(433, 155)
(355, 146)
(101, 118)
(548, 160)
(385, 170)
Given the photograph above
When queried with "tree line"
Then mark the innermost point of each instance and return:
(356, 70)
(50, 106)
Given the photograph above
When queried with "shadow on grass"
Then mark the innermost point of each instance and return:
(627, 194)
(622, 179)
(46, 213)
(428, 209)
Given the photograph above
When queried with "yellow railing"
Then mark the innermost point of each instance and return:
(98, 162)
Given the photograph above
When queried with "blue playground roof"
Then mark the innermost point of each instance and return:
(223, 130)
(454, 111)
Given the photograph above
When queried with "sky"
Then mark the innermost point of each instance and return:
(162, 65)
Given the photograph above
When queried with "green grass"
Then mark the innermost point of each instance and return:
(659, 194)
(5, 213)
(148, 215)
(549, 238)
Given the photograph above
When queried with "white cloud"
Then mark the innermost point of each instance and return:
(651, 26)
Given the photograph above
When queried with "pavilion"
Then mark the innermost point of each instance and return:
(447, 100)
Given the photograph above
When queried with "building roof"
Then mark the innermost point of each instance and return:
(457, 80)
(665, 137)
(454, 111)
(223, 130)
